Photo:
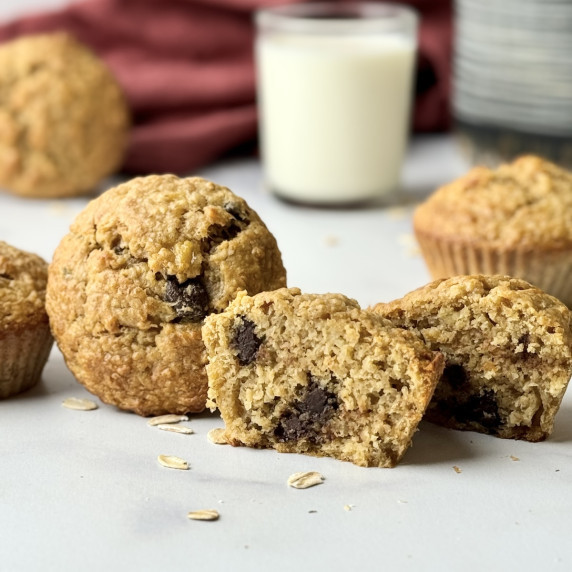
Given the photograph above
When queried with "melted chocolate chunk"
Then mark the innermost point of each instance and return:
(454, 375)
(246, 342)
(307, 416)
(482, 409)
(218, 234)
(233, 209)
(6, 276)
(189, 299)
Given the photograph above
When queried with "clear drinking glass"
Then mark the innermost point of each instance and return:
(335, 85)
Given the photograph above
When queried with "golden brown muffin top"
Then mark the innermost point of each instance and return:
(459, 297)
(63, 118)
(23, 279)
(526, 204)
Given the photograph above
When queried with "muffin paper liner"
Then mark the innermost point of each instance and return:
(550, 271)
(23, 355)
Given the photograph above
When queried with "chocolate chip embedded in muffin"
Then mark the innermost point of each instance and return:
(131, 283)
(189, 299)
(237, 211)
(309, 415)
(475, 410)
(245, 341)
(329, 379)
(455, 375)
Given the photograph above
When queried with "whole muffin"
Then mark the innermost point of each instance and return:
(130, 285)
(508, 352)
(63, 118)
(515, 220)
(25, 338)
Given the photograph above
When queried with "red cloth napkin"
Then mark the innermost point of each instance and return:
(187, 69)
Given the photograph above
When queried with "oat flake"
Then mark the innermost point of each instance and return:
(175, 428)
(205, 514)
(169, 418)
(217, 437)
(305, 480)
(79, 404)
(172, 462)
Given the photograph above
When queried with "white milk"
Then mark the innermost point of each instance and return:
(334, 114)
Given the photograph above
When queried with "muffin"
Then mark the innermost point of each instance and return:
(508, 351)
(315, 374)
(515, 220)
(63, 118)
(131, 283)
(25, 339)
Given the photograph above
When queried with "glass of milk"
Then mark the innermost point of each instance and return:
(334, 96)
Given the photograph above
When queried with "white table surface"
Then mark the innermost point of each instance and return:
(84, 490)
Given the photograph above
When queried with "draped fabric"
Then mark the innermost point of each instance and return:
(187, 69)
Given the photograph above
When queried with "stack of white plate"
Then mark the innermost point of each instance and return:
(512, 86)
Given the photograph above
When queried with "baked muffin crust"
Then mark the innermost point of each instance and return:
(23, 278)
(526, 204)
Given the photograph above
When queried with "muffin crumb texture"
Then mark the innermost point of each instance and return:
(507, 347)
(315, 374)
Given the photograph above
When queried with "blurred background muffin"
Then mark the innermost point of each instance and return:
(25, 338)
(63, 118)
(515, 220)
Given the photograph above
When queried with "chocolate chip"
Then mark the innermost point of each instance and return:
(234, 210)
(189, 299)
(454, 375)
(6, 276)
(218, 234)
(115, 245)
(245, 341)
(479, 408)
(308, 415)
(291, 429)
(316, 401)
